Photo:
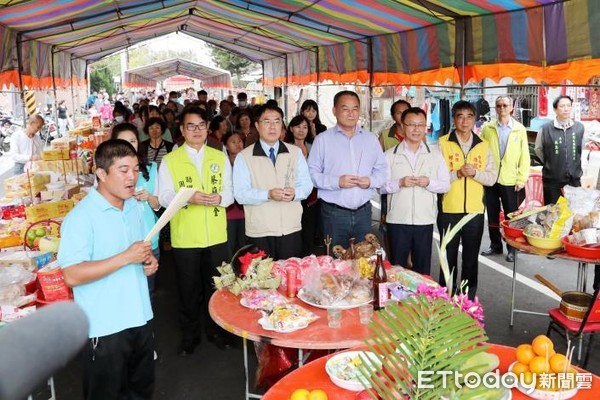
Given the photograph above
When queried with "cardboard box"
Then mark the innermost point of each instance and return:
(53, 155)
(54, 209)
(62, 166)
(20, 186)
(64, 143)
(53, 195)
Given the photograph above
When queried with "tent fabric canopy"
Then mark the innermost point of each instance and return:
(148, 75)
(368, 41)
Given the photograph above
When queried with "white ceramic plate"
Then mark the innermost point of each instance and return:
(266, 325)
(341, 305)
(545, 394)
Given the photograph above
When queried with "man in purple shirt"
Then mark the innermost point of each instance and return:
(346, 164)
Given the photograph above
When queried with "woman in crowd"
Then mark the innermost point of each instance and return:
(156, 146)
(310, 110)
(145, 188)
(216, 131)
(297, 134)
(236, 235)
(63, 120)
(245, 127)
(172, 125)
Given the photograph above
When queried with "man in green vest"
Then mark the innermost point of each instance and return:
(198, 230)
(472, 167)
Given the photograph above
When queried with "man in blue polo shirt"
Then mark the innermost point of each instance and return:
(106, 261)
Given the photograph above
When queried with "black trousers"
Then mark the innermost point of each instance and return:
(236, 235)
(553, 190)
(194, 269)
(309, 227)
(279, 247)
(494, 197)
(405, 239)
(470, 236)
(120, 366)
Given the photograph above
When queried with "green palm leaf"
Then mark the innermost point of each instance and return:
(420, 335)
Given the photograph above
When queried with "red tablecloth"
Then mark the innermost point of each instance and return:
(225, 309)
(313, 376)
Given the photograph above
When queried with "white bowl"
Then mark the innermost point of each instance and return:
(342, 362)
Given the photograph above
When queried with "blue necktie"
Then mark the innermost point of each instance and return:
(272, 155)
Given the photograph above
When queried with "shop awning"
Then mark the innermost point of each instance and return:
(366, 41)
(148, 75)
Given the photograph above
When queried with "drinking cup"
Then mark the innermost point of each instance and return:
(334, 318)
(365, 313)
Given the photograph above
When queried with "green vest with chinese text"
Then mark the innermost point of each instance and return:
(198, 226)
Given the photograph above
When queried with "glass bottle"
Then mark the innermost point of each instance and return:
(380, 290)
(352, 255)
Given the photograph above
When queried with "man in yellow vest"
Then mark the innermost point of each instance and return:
(472, 167)
(199, 230)
(270, 178)
(507, 139)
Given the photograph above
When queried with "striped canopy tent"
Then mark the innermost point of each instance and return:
(376, 42)
(149, 75)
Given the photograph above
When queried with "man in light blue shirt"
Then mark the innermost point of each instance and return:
(346, 164)
(106, 261)
(270, 178)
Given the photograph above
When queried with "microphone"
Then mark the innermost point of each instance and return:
(34, 348)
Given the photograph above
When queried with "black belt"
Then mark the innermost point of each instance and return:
(344, 208)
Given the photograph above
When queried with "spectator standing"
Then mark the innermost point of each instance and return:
(105, 260)
(507, 139)
(26, 145)
(245, 127)
(297, 133)
(310, 110)
(225, 112)
(270, 179)
(396, 133)
(417, 173)
(146, 188)
(346, 164)
(558, 145)
(236, 235)
(217, 130)
(472, 167)
(198, 231)
(155, 147)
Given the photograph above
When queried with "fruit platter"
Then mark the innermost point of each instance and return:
(286, 318)
(543, 373)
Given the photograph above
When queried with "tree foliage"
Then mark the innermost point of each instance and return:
(231, 62)
(102, 78)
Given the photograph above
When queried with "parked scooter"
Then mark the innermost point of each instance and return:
(49, 131)
(6, 130)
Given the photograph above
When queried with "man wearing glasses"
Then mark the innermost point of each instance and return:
(472, 167)
(417, 173)
(199, 230)
(507, 139)
(346, 164)
(270, 178)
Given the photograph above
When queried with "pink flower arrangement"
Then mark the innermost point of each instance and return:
(473, 308)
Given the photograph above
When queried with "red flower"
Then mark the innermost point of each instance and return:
(247, 258)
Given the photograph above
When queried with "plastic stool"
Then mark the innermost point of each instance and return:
(534, 191)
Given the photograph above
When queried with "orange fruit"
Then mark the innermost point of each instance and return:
(558, 363)
(543, 346)
(524, 353)
(539, 365)
(317, 394)
(300, 394)
(520, 368)
(527, 377)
